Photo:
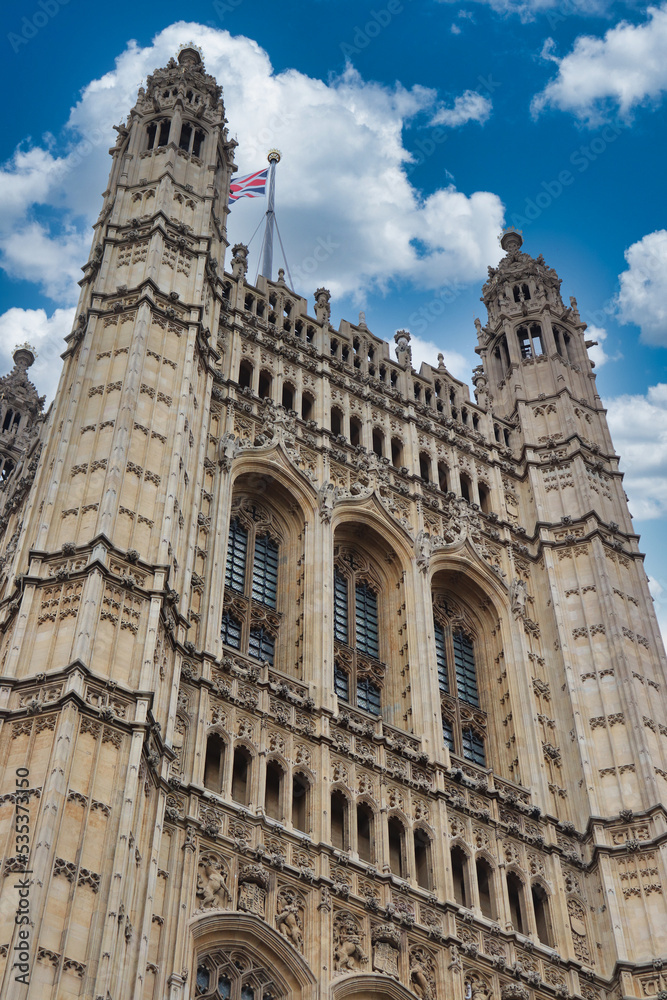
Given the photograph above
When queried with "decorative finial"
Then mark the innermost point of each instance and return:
(273, 156)
(362, 321)
(190, 54)
(24, 355)
(511, 240)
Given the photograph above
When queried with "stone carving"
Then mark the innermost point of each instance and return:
(577, 915)
(423, 550)
(289, 918)
(228, 449)
(518, 597)
(514, 991)
(349, 955)
(422, 973)
(212, 886)
(477, 987)
(327, 500)
(386, 940)
(253, 886)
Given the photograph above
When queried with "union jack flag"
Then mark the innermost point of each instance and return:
(250, 186)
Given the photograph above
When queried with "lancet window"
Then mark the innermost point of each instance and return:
(358, 670)
(463, 721)
(233, 975)
(191, 139)
(250, 619)
(157, 133)
(530, 341)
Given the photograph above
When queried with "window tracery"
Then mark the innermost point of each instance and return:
(463, 721)
(358, 670)
(250, 619)
(234, 976)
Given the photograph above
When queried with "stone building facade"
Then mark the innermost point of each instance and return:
(318, 678)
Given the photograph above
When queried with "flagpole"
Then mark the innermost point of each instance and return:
(267, 260)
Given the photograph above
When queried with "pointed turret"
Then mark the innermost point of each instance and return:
(20, 407)
(533, 344)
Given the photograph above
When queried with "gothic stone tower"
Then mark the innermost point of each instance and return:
(318, 678)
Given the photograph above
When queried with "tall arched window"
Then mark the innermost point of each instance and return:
(463, 722)
(214, 763)
(515, 898)
(250, 620)
(423, 863)
(459, 869)
(365, 832)
(340, 835)
(157, 133)
(530, 341)
(396, 832)
(300, 803)
(358, 671)
(485, 888)
(241, 776)
(273, 790)
(542, 914)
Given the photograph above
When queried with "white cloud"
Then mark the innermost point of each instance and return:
(426, 351)
(660, 604)
(638, 426)
(468, 107)
(343, 178)
(43, 333)
(597, 353)
(601, 77)
(642, 298)
(528, 10)
(51, 261)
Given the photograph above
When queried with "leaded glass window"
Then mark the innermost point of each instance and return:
(251, 583)
(357, 680)
(441, 658)
(341, 683)
(366, 620)
(473, 747)
(463, 722)
(230, 631)
(340, 608)
(265, 571)
(261, 645)
(368, 695)
(237, 554)
(464, 660)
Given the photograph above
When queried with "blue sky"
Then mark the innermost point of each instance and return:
(411, 131)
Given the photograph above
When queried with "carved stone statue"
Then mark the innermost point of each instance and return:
(423, 549)
(348, 953)
(212, 886)
(518, 595)
(288, 918)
